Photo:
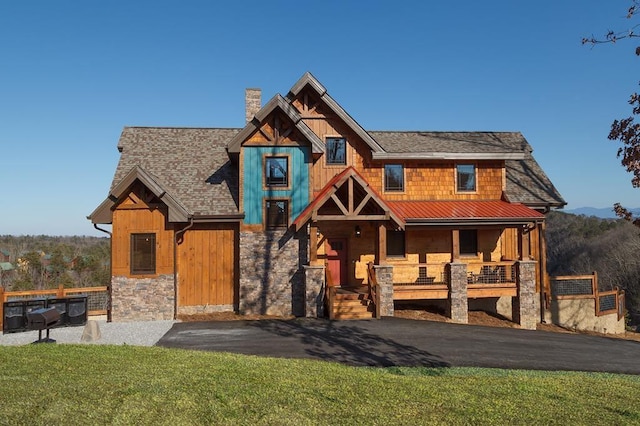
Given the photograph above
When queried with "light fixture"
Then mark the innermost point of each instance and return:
(358, 231)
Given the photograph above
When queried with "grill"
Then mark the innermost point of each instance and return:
(43, 319)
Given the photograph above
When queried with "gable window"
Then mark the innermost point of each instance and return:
(277, 213)
(469, 242)
(466, 177)
(336, 151)
(276, 171)
(393, 177)
(143, 254)
(395, 243)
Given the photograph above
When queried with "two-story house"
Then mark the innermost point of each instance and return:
(302, 208)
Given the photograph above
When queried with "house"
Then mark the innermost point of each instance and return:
(302, 208)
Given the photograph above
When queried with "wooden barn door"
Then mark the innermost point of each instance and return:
(206, 266)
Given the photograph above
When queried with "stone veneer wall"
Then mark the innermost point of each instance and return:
(272, 280)
(458, 298)
(142, 299)
(314, 291)
(526, 310)
(384, 276)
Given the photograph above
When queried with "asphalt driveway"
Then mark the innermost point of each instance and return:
(401, 342)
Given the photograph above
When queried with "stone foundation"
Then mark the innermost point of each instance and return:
(142, 299)
(272, 278)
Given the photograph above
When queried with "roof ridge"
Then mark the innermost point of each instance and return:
(183, 127)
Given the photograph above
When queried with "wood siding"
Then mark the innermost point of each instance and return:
(207, 265)
(135, 216)
(254, 192)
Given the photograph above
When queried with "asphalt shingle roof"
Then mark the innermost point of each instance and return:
(189, 163)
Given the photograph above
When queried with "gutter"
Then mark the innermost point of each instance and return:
(95, 225)
(175, 266)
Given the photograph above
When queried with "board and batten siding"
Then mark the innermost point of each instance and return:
(255, 192)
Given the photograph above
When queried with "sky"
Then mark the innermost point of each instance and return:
(74, 73)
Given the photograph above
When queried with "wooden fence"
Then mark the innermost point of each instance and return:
(586, 287)
(97, 297)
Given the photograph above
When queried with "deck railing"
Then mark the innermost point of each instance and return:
(491, 272)
(374, 288)
(586, 287)
(97, 297)
(419, 273)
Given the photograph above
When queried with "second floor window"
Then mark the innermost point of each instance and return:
(466, 177)
(336, 151)
(276, 171)
(393, 177)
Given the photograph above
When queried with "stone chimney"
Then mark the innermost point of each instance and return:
(253, 103)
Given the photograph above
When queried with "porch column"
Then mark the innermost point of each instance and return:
(458, 305)
(523, 243)
(314, 291)
(313, 244)
(525, 311)
(455, 245)
(382, 244)
(384, 275)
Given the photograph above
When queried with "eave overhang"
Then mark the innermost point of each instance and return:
(448, 156)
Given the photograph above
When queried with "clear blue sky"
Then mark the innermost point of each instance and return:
(73, 73)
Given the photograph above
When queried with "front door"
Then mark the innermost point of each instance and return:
(336, 249)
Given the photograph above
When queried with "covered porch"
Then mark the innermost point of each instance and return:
(360, 243)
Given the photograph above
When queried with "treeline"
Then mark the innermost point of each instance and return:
(578, 245)
(43, 262)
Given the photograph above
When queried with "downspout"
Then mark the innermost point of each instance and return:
(175, 266)
(95, 225)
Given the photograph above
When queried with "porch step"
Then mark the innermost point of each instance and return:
(350, 304)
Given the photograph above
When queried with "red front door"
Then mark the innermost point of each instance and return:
(336, 249)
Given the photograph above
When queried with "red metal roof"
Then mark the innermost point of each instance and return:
(430, 211)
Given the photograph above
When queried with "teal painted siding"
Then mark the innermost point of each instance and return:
(253, 175)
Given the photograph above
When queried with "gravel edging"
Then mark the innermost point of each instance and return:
(140, 333)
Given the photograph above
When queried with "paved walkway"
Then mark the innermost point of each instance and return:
(401, 342)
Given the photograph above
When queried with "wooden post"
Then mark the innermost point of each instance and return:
(1, 305)
(455, 245)
(60, 293)
(382, 244)
(523, 243)
(313, 244)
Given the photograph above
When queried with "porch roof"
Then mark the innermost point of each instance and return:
(464, 212)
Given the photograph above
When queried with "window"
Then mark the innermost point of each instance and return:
(277, 213)
(143, 254)
(469, 242)
(393, 177)
(466, 177)
(336, 151)
(276, 171)
(395, 243)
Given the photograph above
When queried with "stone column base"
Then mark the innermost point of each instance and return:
(314, 291)
(458, 302)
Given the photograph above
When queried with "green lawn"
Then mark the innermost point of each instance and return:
(86, 384)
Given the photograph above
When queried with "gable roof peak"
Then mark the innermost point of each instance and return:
(306, 79)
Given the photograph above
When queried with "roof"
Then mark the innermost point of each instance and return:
(189, 163)
(471, 212)
(526, 183)
(6, 266)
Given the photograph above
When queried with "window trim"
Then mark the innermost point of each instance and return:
(265, 184)
(404, 244)
(326, 156)
(149, 270)
(266, 213)
(460, 190)
(384, 178)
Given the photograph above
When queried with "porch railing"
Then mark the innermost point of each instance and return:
(374, 288)
(491, 272)
(420, 273)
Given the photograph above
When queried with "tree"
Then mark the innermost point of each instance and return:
(626, 130)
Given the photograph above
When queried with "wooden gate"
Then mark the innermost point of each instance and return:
(207, 266)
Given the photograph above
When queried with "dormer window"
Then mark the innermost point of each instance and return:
(276, 171)
(336, 151)
(466, 177)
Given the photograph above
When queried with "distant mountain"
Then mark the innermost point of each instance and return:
(604, 212)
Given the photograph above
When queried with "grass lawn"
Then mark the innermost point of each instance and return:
(95, 384)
